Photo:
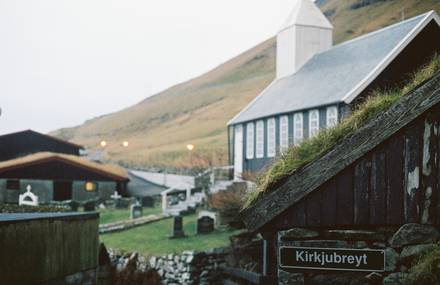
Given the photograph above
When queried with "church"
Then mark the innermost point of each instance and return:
(318, 84)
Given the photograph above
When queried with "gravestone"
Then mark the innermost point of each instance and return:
(135, 211)
(28, 198)
(123, 203)
(177, 228)
(89, 206)
(205, 225)
(147, 201)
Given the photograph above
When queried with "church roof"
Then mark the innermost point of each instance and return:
(336, 75)
(306, 13)
(309, 178)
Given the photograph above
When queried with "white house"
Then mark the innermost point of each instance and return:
(317, 83)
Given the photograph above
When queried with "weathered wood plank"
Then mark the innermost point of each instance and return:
(299, 216)
(413, 159)
(378, 187)
(350, 149)
(362, 180)
(313, 209)
(345, 197)
(429, 178)
(329, 203)
(394, 173)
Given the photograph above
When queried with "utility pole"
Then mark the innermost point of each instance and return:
(403, 13)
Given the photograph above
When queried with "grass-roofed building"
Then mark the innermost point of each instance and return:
(54, 169)
(318, 84)
(371, 190)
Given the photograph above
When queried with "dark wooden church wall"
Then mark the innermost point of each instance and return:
(397, 182)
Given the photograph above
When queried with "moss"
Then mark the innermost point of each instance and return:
(311, 149)
(426, 270)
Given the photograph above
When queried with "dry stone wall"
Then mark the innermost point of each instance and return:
(188, 268)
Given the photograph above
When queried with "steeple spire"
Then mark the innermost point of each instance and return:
(306, 32)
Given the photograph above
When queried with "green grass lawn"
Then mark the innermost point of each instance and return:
(152, 239)
(117, 215)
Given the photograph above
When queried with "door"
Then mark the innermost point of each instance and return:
(62, 190)
(238, 151)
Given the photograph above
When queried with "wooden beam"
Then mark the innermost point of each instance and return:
(350, 149)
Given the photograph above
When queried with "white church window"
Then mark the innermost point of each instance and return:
(271, 139)
(298, 128)
(284, 133)
(260, 139)
(313, 123)
(332, 116)
(250, 140)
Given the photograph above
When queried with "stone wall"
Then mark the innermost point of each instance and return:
(188, 268)
(49, 248)
(402, 247)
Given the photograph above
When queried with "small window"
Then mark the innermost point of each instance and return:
(260, 139)
(298, 128)
(284, 133)
(332, 116)
(90, 186)
(271, 140)
(313, 123)
(250, 140)
(13, 184)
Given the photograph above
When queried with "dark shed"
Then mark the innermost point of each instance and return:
(28, 142)
(385, 175)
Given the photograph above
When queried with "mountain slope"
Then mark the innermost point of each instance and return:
(196, 112)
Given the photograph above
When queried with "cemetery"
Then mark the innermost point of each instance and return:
(331, 175)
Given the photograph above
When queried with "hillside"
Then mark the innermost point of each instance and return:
(196, 112)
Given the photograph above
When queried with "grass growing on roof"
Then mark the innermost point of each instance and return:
(311, 149)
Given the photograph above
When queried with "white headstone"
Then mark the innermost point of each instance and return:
(28, 198)
(116, 195)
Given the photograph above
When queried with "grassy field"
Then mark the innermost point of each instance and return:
(152, 239)
(115, 215)
(196, 112)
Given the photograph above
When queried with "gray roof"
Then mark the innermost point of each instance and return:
(180, 182)
(331, 76)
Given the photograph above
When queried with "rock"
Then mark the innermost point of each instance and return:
(414, 251)
(287, 278)
(297, 233)
(379, 245)
(360, 244)
(374, 277)
(391, 259)
(337, 278)
(414, 234)
(322, 243)
(354, 235)
(395, 279)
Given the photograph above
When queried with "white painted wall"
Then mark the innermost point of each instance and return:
(305, 33)
(238, 151)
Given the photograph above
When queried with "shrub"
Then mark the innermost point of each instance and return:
(228, 203)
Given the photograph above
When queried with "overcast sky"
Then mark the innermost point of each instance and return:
(65, 61)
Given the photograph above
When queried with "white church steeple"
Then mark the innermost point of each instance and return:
(305, 33)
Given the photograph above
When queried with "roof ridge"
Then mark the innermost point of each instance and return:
(372, 33)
